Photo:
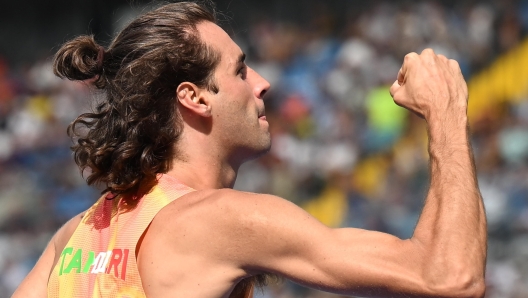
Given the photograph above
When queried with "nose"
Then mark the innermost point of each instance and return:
(260, 85)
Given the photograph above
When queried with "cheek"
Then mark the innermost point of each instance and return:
(237, 101)
(243, 101)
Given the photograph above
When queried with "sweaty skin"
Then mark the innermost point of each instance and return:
(202, 244)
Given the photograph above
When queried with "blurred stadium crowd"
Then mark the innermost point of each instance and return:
(341, 148)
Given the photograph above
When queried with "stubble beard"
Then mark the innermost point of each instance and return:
(252, 149)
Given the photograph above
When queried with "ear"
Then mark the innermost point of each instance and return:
(194, 98)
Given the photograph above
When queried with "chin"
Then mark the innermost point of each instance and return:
(255, 151)
(261, 150)
(266, 146)
(264, 150)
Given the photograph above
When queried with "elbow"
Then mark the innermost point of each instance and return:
(453, 276)
(479, 289)
(460, 285)
(470, 289)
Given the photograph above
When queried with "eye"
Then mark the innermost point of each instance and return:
(242, 71)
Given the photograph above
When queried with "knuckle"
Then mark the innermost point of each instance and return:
(428, 51)
(409, 56)
(453, 63)
(392, 91)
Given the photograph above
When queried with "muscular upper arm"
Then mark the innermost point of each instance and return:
(274, 235)
(36, 282)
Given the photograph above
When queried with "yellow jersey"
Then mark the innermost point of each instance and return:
(99, 259)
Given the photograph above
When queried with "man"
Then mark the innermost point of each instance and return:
(205, 239)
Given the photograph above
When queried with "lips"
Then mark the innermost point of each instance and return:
(262, 116)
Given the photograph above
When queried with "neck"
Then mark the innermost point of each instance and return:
(203, 173)
(201, 165)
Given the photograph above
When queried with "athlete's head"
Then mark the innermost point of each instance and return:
(144, 75)
(233, 117)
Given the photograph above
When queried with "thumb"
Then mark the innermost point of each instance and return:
(398, 93)
(394, 88)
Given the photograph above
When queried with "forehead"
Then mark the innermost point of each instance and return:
(216, 37)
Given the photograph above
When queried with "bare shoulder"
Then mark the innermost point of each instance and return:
(244, 224)
(232, 207)
(209, 234)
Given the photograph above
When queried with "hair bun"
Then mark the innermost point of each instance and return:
(79, 59)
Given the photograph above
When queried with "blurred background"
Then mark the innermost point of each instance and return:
(341, 148)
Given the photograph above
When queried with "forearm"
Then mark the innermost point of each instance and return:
(452, 227)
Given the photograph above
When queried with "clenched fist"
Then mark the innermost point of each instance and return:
(431, 86)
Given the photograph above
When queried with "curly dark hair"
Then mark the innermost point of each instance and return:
(131, 135)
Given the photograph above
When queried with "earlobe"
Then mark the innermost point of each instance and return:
(191, 97)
